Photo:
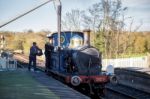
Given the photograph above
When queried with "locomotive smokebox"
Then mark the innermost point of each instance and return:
(87, 36)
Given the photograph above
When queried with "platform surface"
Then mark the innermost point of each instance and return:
(21, 84)
(137, 70)
(138, 78)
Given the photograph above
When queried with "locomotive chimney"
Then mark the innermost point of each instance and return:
(87, 36)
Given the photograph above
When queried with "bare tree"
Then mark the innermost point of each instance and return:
(106, 19)
(72, 20)
(112, 25)
(92, 17)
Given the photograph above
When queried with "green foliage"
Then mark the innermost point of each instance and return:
(147, 45)
(135, 44)
(99, 41)
(23, 41)
(139, 45)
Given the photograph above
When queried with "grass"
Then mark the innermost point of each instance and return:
(20, 85)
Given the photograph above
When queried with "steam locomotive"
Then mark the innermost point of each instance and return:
(76, 62)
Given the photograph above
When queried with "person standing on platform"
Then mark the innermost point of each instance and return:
(48, 50)
(32, 56)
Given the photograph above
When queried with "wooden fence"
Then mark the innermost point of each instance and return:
(141, 62)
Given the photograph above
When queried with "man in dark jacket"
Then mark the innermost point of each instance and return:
(48, 49)
(32, 56)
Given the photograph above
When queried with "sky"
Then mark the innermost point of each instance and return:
(45, 17)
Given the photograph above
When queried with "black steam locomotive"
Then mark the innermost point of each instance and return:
(76, 62)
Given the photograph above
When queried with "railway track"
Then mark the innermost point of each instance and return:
(124, 92)
(112, 91)
(24, 59)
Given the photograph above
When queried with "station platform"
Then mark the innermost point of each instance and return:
(22, 84)
(134, 77)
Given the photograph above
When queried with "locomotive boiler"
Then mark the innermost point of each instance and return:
(76, 62)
